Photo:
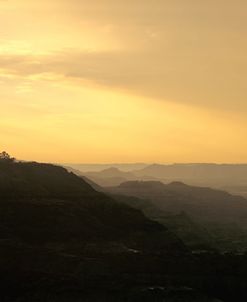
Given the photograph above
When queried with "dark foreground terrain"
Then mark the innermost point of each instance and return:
(60, 240)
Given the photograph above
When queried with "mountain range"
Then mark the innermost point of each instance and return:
(62, 240)
(212, 218)
(229, 177)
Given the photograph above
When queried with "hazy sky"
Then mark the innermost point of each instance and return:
(124, 81)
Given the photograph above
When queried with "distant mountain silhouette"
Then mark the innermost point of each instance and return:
(109, 177)
(113, 172)
(232, 177)
(99, 167)
(113, 177)
(228, 177)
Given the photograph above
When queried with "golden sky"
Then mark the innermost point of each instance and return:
(124, 81)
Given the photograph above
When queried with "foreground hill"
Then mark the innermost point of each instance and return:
(56, 227)
(24, 179)
(59, 203)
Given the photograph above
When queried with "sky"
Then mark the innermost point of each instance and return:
(124, 81)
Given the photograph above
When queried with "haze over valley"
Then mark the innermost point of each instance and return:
(229, 177)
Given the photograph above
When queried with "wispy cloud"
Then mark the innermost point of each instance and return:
(200, 80)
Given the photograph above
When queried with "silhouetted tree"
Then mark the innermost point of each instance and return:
(5, 157)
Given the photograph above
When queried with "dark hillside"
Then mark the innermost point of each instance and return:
(40, 180)
(53, 223)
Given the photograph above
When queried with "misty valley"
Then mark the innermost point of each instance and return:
(65, 237)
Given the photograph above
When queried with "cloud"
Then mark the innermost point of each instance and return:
(191, 52)
(179, 77)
